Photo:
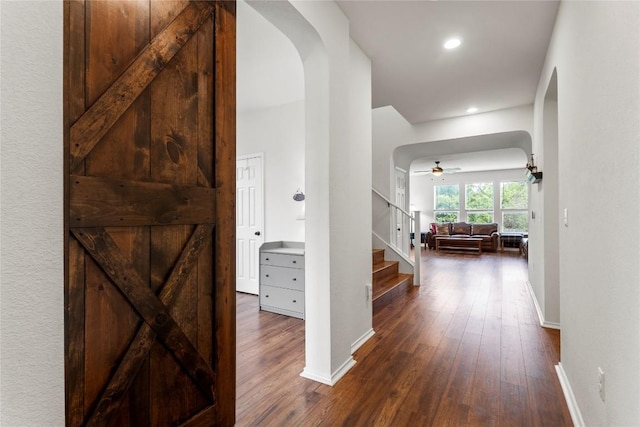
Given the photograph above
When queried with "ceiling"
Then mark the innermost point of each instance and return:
(497, 66)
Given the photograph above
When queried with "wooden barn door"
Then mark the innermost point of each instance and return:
(150, 205)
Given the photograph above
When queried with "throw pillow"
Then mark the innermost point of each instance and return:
(484, 229)
(460, 228)
(442, 229)
(433, 228)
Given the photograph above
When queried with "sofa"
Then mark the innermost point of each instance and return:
(487, 232)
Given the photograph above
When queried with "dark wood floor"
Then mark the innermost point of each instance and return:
(465, 348)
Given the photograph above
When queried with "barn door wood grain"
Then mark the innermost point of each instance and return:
(149, 212)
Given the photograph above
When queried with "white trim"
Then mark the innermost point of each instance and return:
(574, 410)
(342, 370)
(363, 339)
(306, 373)
(543, 323)
(335, 377)
(389, 202)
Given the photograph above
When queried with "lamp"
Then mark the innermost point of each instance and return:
(437, 171)
(532, 172)
(298, 196)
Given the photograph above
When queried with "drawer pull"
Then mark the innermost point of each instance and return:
(266, 296)
(267, 259)
(294, 261)
(295, 301)
(267, 275)
(294, 279)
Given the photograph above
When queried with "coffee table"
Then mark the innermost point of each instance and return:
(445, 242)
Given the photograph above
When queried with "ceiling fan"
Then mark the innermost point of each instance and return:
(437, 170)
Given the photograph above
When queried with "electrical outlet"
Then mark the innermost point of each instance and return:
(601, 383)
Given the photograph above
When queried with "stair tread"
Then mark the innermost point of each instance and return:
(382, 265)
(390, 283)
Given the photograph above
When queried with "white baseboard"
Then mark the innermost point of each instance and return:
(574, 410)
(543, 323)
(363, 339)
(306, 373)
(339, 373)
(334, 378)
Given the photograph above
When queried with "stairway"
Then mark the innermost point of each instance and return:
(388, 283)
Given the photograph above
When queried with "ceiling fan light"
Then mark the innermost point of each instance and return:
(437, 170)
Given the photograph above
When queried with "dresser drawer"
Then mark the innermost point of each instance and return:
(282, 260)
(286, 299)
(291, 278)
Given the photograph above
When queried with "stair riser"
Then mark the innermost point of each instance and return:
(402, 288)
(378, 257)
(386, 272)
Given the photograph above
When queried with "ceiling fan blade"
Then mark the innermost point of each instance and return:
(452, 170)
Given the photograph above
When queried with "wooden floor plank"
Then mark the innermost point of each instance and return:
(465, 348)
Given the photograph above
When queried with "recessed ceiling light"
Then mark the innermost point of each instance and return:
(472, 110)
(452, 43)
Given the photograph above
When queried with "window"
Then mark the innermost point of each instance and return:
(515, 221)
(479, 203)
(480, 200)
(480, 217)
(514, 202)
(447, 203)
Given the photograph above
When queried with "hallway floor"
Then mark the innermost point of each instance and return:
(465, 348)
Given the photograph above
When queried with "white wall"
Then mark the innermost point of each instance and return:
(357, 179)
(391, 130)
(595, 49)
(422, 195)
(278, 133)
(31, 198)
(268, 67)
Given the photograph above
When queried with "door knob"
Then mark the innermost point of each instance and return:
(257, 233)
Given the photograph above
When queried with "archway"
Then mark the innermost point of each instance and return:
(284, 16)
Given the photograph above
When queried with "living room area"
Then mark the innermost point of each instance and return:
(479, 202)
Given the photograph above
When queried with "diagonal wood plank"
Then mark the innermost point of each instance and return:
(102, 115)
(206, 417)
(109, 202)
(121, 380)
(106, 253)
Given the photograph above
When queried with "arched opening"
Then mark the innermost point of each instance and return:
(492, 152)
(286, 18)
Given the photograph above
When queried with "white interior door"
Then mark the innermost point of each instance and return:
(401, 222)
(249, 222)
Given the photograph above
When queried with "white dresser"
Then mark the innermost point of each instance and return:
(282, 278)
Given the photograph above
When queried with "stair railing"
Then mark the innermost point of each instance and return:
(403, 225)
